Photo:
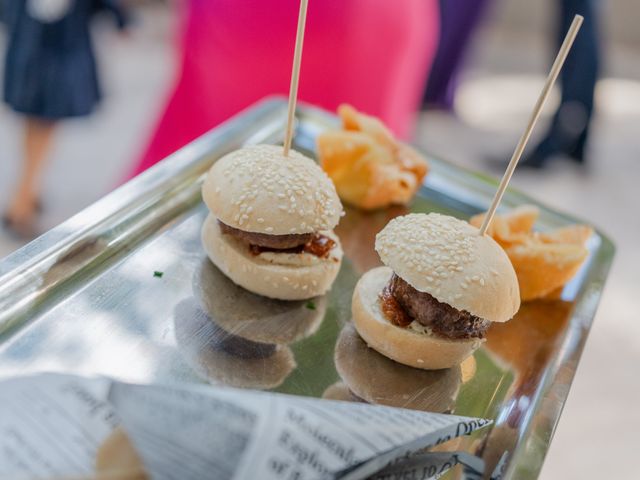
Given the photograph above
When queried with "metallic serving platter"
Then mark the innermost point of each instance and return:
(124, 289)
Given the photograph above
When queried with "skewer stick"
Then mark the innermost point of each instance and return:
(544, 95)
(295, 76)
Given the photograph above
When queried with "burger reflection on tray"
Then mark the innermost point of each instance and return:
(370, 377)
(231, 336)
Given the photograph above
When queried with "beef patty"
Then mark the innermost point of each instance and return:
(313, 243)
(442, 319)
(276, 242)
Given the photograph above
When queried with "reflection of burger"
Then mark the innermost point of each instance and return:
(117, 458)
(270, 228)
(376, 379)
(223, 357)
(445, 285)
(252, 316)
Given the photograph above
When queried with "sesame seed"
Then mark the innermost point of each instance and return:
(433, 243)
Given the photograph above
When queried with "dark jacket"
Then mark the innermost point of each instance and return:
(50, 69)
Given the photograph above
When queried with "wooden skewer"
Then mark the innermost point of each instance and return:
(544, 95)
(295, 76)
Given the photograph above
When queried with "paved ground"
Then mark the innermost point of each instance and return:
(92, 156)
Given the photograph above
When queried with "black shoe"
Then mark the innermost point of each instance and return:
(535, 161)
(576, 150)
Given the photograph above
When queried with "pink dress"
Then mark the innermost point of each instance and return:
(373, 54)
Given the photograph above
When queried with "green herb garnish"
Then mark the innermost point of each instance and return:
(310, 305)
(158, 274)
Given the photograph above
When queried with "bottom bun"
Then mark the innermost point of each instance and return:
(404, 345)
(282, 281)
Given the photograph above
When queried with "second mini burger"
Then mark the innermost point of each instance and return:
(271, 224)
(443, 285)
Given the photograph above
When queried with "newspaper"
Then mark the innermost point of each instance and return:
(52, 426)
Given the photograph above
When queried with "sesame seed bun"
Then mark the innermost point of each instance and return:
(289, 277)
(449, 259)
(379, 380)
(251, 316)
(258, 189)
(404, 345)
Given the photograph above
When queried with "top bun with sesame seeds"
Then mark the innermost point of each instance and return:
(449, 259)
(257, 189)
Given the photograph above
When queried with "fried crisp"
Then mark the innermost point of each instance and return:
(544, 261)
(368, 166)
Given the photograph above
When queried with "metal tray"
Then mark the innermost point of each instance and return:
(120, 289)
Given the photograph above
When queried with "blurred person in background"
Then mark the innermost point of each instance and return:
(458, 22)
(50, 74)
(569, 131)
(374, 54)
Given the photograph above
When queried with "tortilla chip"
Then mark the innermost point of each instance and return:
(544, 267)
(512, 227)
(544, 262)
(369, 168)
(352, 120)
(574, 234)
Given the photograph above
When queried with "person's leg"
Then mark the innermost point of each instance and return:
(459, 19)
(579, 78)
(38, 136)
(570, 126)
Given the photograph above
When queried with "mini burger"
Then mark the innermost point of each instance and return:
(271, 222)
(442, 286)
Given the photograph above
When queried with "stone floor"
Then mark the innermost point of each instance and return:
(596, 437)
